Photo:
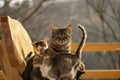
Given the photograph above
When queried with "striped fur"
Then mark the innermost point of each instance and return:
(62, 64)
(60, 40)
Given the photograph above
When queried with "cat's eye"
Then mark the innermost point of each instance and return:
(54, 38)
(37, 49)
(67, 36)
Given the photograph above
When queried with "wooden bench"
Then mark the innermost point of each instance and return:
(100, 47)
(16, 44)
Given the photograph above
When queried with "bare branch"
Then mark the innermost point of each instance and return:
(100, 8)
(34, 11)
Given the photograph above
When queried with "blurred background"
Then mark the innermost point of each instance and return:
(101, 18)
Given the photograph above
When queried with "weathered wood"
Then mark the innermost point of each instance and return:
(10, 72)
(14, 47)
(92, 47)
(17, 42)
(92, 74)
(102, 74)
(2, 76)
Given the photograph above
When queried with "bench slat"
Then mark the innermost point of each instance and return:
(102, 74)
(93, 47)
(2, 76)
(92, 74)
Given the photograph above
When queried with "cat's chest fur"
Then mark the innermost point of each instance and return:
(45, 69)
(61, 39)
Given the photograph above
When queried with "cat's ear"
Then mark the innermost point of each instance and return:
(42, 43)
(69, 28)
(53, 28)
(35, 44)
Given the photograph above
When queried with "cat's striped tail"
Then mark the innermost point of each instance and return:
(82, 42)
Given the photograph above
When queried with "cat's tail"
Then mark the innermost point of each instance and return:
(82, 42)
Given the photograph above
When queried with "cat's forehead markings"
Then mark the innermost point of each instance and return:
(61, 28)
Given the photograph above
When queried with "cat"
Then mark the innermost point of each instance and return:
(62, 65)
(60, 40)
(31, 73)
(40, 47)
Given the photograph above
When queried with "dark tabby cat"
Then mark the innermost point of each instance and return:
(30, 72)
(60, 40)
(61, 65)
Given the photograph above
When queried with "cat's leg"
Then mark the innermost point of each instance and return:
(67, 78)
(64, 78)
(80, 71)
(78, 75)
(45, 79)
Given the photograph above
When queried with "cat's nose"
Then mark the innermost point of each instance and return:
(62, 41)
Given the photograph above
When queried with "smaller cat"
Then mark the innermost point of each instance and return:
(31, 72)
(61, 65)
(39, 47)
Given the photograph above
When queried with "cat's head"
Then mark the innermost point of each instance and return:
(37, 60)
(62, 35)
(39, 45)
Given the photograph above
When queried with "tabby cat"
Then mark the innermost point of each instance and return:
(61, 65)
(60, 40)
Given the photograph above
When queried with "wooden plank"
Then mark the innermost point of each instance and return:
(93, 74)
(10, 72)
(15, 45)
(102, 74)
(2, 76)
(92, 47)
(17, 42)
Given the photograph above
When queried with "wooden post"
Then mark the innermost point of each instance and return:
(14, 47)
(10, 72)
